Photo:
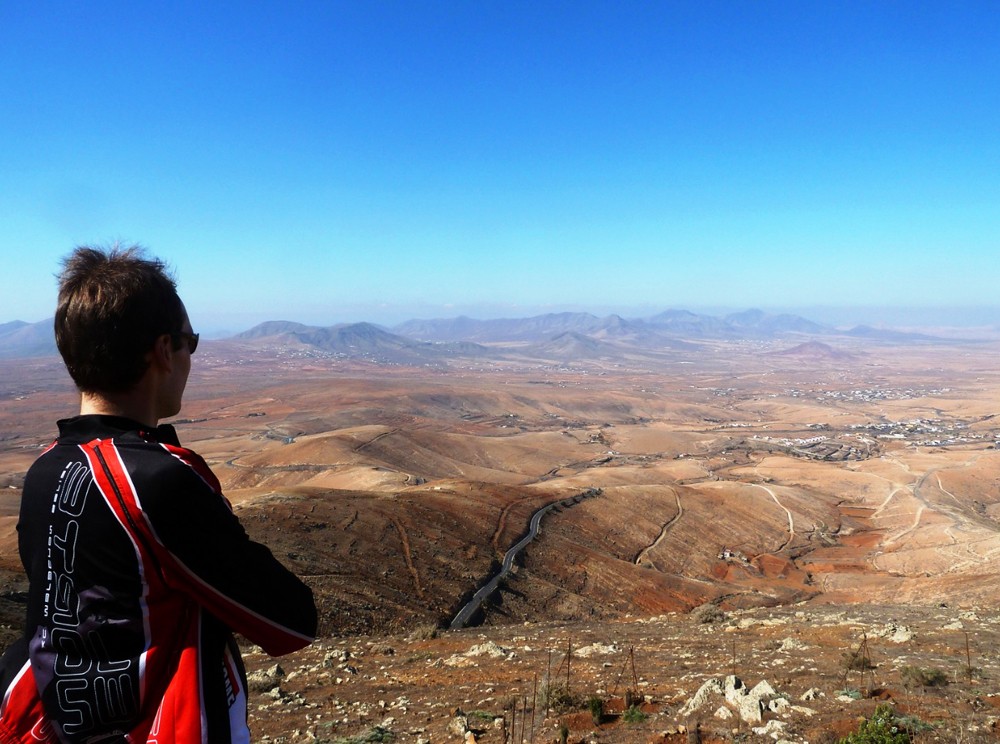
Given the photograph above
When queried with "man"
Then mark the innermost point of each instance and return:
(139, 571)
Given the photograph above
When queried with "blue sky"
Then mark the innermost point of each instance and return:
(336, 161)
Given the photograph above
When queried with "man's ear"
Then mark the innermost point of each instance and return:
(161, 355)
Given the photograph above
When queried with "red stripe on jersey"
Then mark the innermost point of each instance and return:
(22, 718)
(181, 716)
(116, 488)
(196, 463)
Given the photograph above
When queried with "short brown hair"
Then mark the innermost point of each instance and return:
(113, 305)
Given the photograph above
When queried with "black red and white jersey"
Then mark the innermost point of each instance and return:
(139, 573)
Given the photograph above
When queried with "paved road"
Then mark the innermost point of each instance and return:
(463, 616)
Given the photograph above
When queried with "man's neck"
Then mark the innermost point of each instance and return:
(127, 405)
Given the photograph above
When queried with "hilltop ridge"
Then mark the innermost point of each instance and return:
(431, 341)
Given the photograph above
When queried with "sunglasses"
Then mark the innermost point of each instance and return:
(181, 337)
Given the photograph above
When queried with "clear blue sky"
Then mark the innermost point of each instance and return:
(331, 161)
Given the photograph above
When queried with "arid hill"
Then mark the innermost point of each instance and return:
(727, 479)
(816, 351)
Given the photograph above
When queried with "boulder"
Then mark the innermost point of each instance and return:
(705, 692)
(265, 679)
(459, 726)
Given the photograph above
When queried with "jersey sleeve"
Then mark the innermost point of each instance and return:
(206, 553)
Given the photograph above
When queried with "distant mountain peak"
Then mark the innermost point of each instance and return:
(750, 317)
(21, 339)
(814, 350)
(273, 328)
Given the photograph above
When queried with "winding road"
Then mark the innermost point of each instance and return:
(470, 609)
(643, 557)
(791, 520)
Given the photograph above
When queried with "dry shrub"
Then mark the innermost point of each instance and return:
(855, 661)
(708, 613)
(424, 632)
(560, 698)
(912, 676)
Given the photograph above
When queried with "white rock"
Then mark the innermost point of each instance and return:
(595, 649)
(265, 679)
(709, 688)
(459, 725)
(774, 729)
(779, 705)
(723, 713)
(734, 690)
(752, 706)
(899, 634)
(488, 649)
(763, 689)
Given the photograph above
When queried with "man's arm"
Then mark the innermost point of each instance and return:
(204, 551)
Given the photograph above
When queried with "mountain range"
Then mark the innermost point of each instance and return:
(562, 336)
(20, 339)
(359, 340)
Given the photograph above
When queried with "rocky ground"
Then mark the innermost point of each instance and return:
(765, 674)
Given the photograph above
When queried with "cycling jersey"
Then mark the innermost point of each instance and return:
(139, 573)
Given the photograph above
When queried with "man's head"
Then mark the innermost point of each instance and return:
(113, 307)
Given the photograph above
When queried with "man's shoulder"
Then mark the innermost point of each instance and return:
(168, 464)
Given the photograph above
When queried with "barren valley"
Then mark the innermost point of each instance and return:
(757, 507)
